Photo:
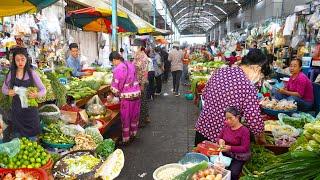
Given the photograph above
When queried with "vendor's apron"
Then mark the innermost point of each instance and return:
(25, 121)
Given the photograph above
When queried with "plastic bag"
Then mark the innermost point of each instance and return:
(94, 133)
(22, 93)
(95, 106)
(10, 148)
(72, 130)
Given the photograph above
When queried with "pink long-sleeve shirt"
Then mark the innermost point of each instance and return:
(238, 139)
(302, 85)
(37, 82)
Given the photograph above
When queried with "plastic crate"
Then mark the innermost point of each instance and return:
(40, 174)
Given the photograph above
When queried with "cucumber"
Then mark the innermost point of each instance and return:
(184, 176)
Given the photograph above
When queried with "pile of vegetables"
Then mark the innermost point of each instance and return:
(54, 135)
(79, 89)
(260, 157)
(297, 120)
(32, 102)
(59, 90)
(84, 142)
(20, 175)
(105, 148)
(208, 174)
(310, 140)
(189, 172)
(303, 165)
(30, 155)
(50, 96)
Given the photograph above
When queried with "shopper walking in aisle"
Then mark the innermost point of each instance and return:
(167, 64)
(235, 140)
(184, 77)
(126, 86)
(151, 76)
(141, 63)
(233, 86)
(158, 68)
(25, 121)
(175, 57)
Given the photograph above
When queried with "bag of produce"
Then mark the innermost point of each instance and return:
(10, 148)
(95, 107)
(22, 93)
(94, 133)
(72, 129)
(49, 111)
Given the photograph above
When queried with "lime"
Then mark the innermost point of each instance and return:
(43, 162)
(5, 160)
(25, 157)
(18, 163)
(32, 160)
(30, 144)
(14, 159)
(37, 165)
(44, 154)
(38, 160)
(29, 166)
(24, 166)
(26, 162)
(25, 152)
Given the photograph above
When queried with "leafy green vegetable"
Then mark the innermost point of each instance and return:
(105, 148)
(58, 89)
(32, 102)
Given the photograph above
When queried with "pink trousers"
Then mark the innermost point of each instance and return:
(129, 114)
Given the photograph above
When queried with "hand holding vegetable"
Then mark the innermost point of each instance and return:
(222, 142)
(33, 95)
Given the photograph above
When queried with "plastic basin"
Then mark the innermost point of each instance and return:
(193, 158)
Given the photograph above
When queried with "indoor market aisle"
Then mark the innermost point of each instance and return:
(165, 140)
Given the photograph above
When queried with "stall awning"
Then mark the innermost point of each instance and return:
(14, 7)
(143, 26)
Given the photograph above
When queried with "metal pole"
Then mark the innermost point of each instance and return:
(165, 19)
(154, 13)
(114, 26)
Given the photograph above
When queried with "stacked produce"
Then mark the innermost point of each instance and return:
(58, 89)
(80, 89)
(20, 175)
(30, 155)
(55, 136)
(310, 140)
(278, 105)
(260, 157)
(84, 142)
(50, 96)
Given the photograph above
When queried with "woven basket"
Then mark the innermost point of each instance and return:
(50, 115)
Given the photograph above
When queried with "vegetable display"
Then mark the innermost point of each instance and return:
(79, 89)
(189, 172)
(58, 89)
(207, 174)
(310, 140)
(20, 175)
(259, 158)
(303, 165)
(50, 96)
(105, 148)
(31, 155)
(54, 135)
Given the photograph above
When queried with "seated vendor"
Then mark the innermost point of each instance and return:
(299, 88)
(73, 61)
(234, 139)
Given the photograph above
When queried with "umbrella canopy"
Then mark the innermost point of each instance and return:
(13, 7)
(99, 20)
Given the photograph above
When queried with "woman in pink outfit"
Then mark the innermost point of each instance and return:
(126, 86)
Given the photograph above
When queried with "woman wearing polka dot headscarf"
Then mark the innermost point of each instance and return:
(233, 86)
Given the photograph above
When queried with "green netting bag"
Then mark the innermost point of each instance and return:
(10, 148)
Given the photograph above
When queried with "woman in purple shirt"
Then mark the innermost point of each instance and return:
(299, 88)
(235, 141)
(25, 122)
